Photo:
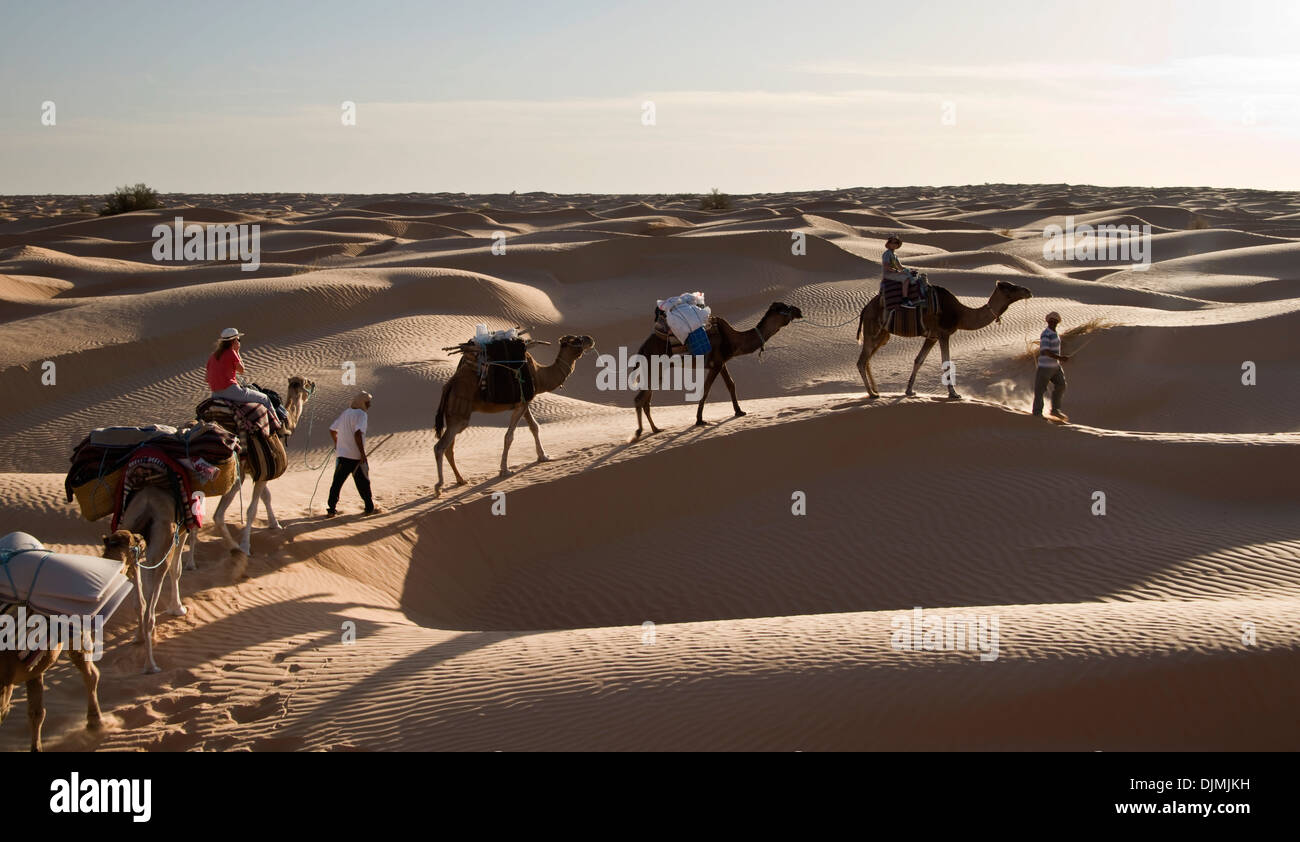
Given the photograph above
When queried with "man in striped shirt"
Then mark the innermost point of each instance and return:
(1049, 368)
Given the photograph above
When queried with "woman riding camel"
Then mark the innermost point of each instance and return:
(892, 270)
(223, 365)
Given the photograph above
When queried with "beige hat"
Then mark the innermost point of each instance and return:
(360, 399)
(230, 333)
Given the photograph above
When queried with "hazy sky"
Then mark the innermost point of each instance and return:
(748, 96)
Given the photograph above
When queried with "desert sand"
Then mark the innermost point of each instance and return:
(1170, 622)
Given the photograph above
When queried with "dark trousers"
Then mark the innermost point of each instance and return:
(343, 467)
(1054, 375)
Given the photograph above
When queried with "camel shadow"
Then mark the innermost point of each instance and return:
(131, 699)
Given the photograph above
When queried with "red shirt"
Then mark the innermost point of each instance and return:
(221, 370)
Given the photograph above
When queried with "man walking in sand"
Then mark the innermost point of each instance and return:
(349, 434)
(1050, 369)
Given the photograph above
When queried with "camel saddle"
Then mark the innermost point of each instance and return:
(260, 444)
(914, 321)
(676, 346)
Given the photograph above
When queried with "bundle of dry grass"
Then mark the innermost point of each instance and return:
(1072, 339)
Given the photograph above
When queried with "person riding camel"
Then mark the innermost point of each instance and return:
(223, 366)
(892, 270)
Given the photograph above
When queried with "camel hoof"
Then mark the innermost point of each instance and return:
(740, 413)
(909, 394)
(701, 423)
(505, 472)
(179, 612)
(191, 566)
(152, 669)
(95, 724)
(543, 458)
(276, 526)
(953, 396)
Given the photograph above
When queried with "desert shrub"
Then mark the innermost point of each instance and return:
(715, 201)
(127, 199)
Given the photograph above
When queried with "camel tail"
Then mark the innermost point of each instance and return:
(440, 420)
(862, 317)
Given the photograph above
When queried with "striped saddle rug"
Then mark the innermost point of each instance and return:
(911, 321)
(262, 450)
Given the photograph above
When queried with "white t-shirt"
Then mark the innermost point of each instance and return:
(345, 425)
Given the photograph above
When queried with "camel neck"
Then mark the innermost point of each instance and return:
(551, 377)
(978, 317)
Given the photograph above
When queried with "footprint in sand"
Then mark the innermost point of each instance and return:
(271, 705)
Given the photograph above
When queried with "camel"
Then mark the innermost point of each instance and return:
(953, 316)
(727, 343)
(460, 399)
(300, 389)
(149, 530)
(13, 672)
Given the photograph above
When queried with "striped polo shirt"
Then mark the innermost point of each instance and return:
(1049, 341)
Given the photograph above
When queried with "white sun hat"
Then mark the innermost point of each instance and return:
(230, 333)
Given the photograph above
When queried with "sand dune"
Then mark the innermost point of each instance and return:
(770, 629)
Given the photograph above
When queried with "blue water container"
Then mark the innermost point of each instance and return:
(697, 342)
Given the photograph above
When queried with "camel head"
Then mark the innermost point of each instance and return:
(127, 547)
(300, 386)
(573, 347)
(1004, 295)
(300, 390)
(783, 313)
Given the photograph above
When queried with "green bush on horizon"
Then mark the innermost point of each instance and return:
(715, 201)
(127, 199)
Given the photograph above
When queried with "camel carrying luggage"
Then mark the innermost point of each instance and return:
(47, 582)
(207, 453)
(504, 374)
(687, 318)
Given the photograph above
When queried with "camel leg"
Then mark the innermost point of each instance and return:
(943, 349)
(219, 516)
(439, 448)
(708, 384)
(731, 387)
(451, 460)
(259, 488)
(188, 545)
(916, 366)
(178, 608)
(510, 436)
(90, 675)
(149, 621)
(870, 345)
(270, 515)
(6, 701)
(642, 401)
(537, 439)
(444, 446)
(36, 708)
